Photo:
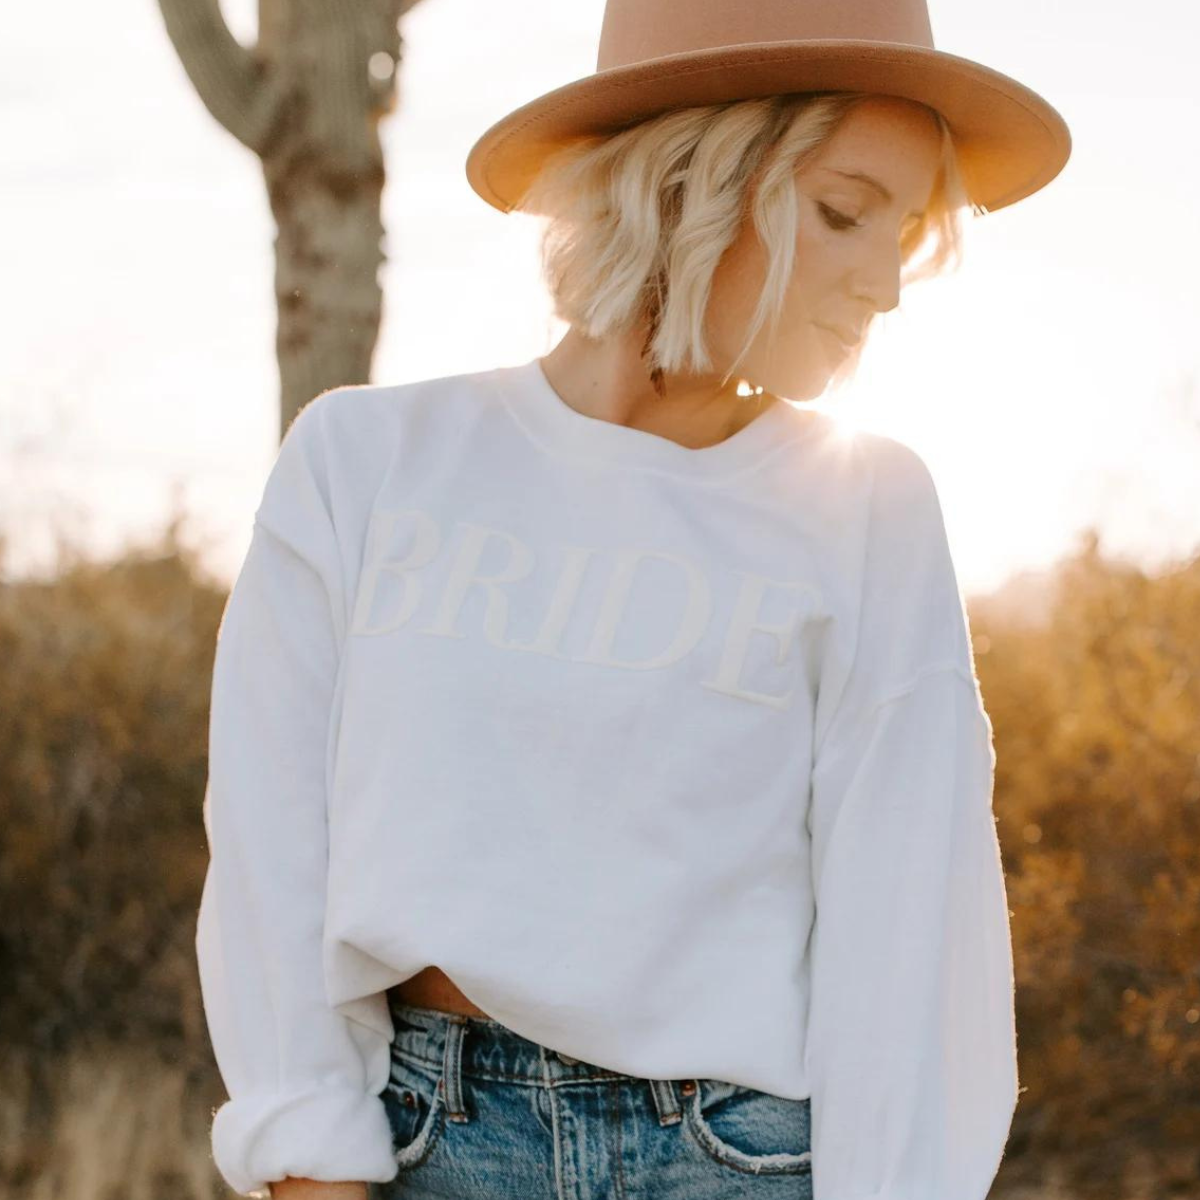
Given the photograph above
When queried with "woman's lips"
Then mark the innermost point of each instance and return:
(839, 341)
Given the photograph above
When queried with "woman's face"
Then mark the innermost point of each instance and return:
(848, 251)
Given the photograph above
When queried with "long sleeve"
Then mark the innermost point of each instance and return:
(911, 1038)
(912, 1042)
(300, 1100)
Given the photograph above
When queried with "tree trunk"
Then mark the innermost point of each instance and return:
(307, 98)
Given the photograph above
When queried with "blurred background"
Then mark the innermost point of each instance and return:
(209, 214)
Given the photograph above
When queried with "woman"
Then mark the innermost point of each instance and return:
(600, 787)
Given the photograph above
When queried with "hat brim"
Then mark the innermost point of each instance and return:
(1011, 142)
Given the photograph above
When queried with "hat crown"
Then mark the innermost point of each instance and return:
(636, 31)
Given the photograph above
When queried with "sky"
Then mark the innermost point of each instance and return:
(1052, 383)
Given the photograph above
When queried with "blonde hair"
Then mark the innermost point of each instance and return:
(639, 219)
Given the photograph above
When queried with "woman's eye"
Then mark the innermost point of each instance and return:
(835, 219)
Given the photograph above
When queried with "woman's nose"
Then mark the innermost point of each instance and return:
(879, 280)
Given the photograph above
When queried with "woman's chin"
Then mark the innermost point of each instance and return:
(811, 386)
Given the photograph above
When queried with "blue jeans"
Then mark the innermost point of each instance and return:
(480, 1113)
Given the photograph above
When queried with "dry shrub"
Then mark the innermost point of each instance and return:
(104, 680)
(1097, 718)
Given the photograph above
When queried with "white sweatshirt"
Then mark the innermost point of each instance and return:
(674, 760)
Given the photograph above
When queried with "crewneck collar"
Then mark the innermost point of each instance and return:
(549, 419)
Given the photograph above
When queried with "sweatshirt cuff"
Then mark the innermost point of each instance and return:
(321, 1132)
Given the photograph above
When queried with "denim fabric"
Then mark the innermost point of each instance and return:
(480, 1113)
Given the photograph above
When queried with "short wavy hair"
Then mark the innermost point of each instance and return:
(639, 219)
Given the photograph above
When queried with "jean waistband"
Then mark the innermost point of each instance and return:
(463, 1046)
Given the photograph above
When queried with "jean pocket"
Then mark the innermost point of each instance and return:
(748, 1130)
(413, 1099)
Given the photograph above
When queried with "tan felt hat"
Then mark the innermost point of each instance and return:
(656, 55)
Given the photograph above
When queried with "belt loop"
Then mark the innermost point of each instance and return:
(666, 1101)
(451, 1082)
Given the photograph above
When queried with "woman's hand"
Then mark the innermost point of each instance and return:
(294, 1188)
